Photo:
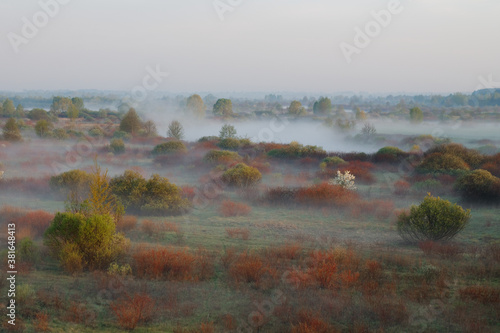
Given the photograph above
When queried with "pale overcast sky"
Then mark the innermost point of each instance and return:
(261, 45)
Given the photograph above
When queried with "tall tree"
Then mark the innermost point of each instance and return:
(223, 107)
(78, 102)
(131, 123)
(322, 106)
(11, 131)
(73, 112)
(416, 115)
(227, 132)
(196, 106)
(296, 109)
(19, 111)
(43, 127)
(8, 108)
(175, 130)
(60, 104)
(150, 129)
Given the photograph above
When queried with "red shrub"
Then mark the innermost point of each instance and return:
(287, 251)
(34, 223)
(359, 169)
(207, 328)
(165, 263)
(188, 192)
(41, 323)
(326, 194)
(229, 208)
(310, 323)
(126, 223)
(482, 294)
(446, 250)
(248, 268)
(384, 209)
(131, 311)
(401, 187)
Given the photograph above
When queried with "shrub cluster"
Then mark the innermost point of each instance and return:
(241, 175)
(156, 196)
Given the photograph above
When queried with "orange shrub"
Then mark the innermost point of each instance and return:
(229, 208)
(310, 323)
(34, 223)
(41, 323)
(286, 251)
(248, 268)
(326, 194)
(131, 311)
(443, 250)
(165, 263)
(207, 328)
(126, 223)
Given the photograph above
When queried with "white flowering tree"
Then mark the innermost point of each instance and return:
(346, 180)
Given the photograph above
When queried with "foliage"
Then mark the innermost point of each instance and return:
(242, 175)
(196, 106)
(346, 180)
(28, 251)
(416, 115)
(434, 219)
(96, 132)
(170, 147)
(322, 106)
(479, 185)
(60, 134)
(443, 163)
(296, 150)
(227, 132)
(470, 156)
(156, 196)
(149, 129)
(131, 123)
(223, 107)
(229, 143)
(130, 311)
(76, 181)
(296, 109)
(38, 114)
(11, 131)
(117, 146)
(43, 128)
(229, 209)
(89, 242)
(8, 108)
(175, 130)
(221, 156)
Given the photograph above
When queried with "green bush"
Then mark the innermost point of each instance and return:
(88, 240)
(117, 146)
(479, 185)
(296, 150)
(389, 150)
(28, 251)
(333, 161)
(221, 156)
(209, 138)
(434, 219)
(77, 181)
(121, 135)
(96, 131)
(242, 175)
(170, 147)
(470, 156)
(229, 143)
(156, 196)
(60, 134)
(443, 163)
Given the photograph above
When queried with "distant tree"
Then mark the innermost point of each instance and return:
(360, 114)
(19, 113)
(150, 129)
(175, 130)
(322, 106)
(73, 112)
(60, 104)
(8, 108)
(227, 131)
(242, 175)
(223, 107)
(117, 146)
(78, 103)
(131, 123)
(296, 109)
(43, 128)
(38, 114)
(368, 130)
(196, 106)
(11, 131)
(416, 115)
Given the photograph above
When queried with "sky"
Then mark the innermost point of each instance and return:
(424, 46)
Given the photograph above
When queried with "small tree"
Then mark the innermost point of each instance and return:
(175, 130)
(8, 108)
(11, 131)
(117, 146)
(346, 180)
(416, 115)
(434, 219)
(223, 107)
(150, 129)
(227, 131)
(196, 106)
(131, 123)
(296, 109)
(43, 128)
